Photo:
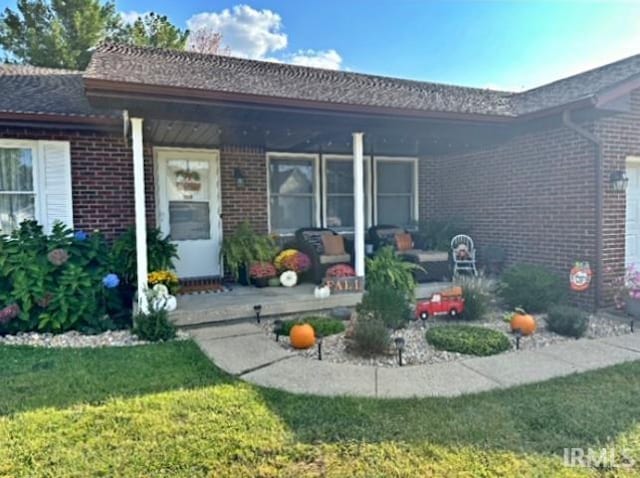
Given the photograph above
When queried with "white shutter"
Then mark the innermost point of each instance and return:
(55, 184)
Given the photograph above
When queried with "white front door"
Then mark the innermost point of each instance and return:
(188, 185)
(632, 230)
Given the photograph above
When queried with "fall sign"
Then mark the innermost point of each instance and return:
(345, 284)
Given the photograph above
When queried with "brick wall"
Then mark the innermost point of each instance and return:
(534, 195)
(102, 177)
(250, 201)
(620, 135)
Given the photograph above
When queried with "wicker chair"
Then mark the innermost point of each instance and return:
(309, 241)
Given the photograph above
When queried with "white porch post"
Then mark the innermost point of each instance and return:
(141, 218)
(358, 203)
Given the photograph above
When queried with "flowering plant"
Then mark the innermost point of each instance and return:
(340, 270)
(626, 286)
(165, 277)
(262, 270)
(292, 260)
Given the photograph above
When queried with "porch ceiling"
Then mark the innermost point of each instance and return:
(206, 126)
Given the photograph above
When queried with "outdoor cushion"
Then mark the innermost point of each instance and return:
(334, 259)
(315, 239)
(333, 244)
(403, 241)
(426, 256)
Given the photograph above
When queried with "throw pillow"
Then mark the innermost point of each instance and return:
(333, 244)
(404, 241)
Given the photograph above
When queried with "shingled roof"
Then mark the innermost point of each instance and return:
(45, 91)
(48, 91)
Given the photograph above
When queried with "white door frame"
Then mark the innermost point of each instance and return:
(159, 172)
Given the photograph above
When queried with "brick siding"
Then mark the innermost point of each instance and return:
(101, 175)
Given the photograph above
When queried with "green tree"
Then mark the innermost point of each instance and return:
(57, 33)
(154, 30)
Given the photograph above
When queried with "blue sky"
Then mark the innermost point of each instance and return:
(499, 44)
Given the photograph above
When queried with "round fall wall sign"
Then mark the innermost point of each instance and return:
(580, 276)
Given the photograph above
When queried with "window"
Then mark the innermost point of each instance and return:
(292, 192)
(338, 192)
(396, 191)
(17, 186)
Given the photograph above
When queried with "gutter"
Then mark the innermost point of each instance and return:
(597, 143)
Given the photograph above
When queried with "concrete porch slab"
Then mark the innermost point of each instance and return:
(243, 353)
(237, 304)
(448, 379)
(520, 367)
(300, 375)
(630, 341)
(589, 354)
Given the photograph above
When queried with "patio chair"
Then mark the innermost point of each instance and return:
(435, 264)
(464, 255)
(309, 240)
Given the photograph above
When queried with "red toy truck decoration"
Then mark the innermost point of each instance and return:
(449, 302)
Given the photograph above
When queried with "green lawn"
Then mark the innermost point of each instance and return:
(164, 410)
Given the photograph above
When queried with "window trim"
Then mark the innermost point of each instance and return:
(415, 193)
(367, 192)
(38, 178)
(315, 195)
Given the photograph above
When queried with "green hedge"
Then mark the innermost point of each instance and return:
(467, 339)
(531, 287)
(324, 326)
(567, 320)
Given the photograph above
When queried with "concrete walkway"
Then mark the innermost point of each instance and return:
(243, 350)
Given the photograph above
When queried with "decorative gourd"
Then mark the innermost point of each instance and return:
(302, 336)
(523, 322)
(288, 278)
(322, 292)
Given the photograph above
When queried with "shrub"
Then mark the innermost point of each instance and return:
(467, 339)
(324, 326)
(56, 280)
(386, 304)
(154, 326)
(371, 336)
(437, 233)
(388, 270)
(161, 253)
(567, 320)
(530, 287)
(477, 293)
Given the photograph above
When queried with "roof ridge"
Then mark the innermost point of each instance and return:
(110, 46)
(575, 75)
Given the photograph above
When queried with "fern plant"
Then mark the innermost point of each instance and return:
(386, 269)
(243, 247)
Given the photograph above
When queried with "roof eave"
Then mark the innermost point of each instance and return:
(118, 89)
(59, 119)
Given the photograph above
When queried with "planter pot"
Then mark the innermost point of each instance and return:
(633, 307)
(243, 276)
(260, 282)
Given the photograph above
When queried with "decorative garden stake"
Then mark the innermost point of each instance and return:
(277, 329)
(319, 342)
(257, 309)
(399, 341)
(631, 324)
(518, 333)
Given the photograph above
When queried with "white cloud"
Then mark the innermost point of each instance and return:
(247, 32)
(328, 59)
(257, 34)
(132, 16)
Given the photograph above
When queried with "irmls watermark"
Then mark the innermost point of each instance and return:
(609, 457)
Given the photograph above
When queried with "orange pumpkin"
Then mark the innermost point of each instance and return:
(523, 321)
(302, 336)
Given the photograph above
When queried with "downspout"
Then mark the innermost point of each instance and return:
(597, 143)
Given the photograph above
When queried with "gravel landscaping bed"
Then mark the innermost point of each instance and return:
(74, 339)
(418, 351)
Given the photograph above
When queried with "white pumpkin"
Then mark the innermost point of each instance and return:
(288, 278)
(322, 292)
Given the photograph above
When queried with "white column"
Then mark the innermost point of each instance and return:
(358, 203)
(141, 214)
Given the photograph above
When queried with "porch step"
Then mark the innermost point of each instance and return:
(237, 304)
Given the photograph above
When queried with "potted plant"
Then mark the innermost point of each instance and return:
(261, 272)
(244, 247)
(627, 292)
